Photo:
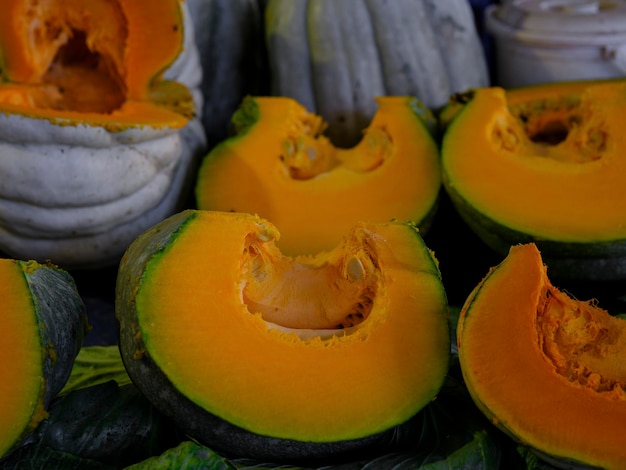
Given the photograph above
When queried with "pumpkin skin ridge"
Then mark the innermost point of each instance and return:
(334, 58)
(489, 396)
(101, 249)
(87, 220)
(151, 162)
(224, 435)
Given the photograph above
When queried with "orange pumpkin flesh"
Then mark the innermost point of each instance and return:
(94, 62)
(546, 368)
(282, 168)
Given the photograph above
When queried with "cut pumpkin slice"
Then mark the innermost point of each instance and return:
(281, 167)
(44, 320)
(260, 354)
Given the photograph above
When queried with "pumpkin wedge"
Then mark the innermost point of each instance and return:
(544, 164)
(44, 321)
(280, 166)
(263, 355)
(544, 367)
(97, 124)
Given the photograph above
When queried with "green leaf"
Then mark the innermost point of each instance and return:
(95, 365)
(186, 456)
(106, 424)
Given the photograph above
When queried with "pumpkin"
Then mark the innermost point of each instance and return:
(335, 57)
(262, 355)
(281, 167)
(228, 36)
(45, 318)
(98, 134)
(544, 367)
(543, 164)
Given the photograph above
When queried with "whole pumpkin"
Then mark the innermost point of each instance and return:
(229, 39)
(335, 57)
(98, 129)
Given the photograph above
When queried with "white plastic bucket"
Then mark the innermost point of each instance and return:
(540, 41)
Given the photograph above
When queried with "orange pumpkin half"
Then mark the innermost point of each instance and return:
(98, 132)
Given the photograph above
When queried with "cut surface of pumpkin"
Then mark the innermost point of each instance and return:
(316, 349)
(287, 171)
(545, 367)
(101, 61)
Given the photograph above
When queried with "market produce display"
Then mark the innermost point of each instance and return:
(280, 166)
(98, 139)
(44, 320)
(307, 235)
(544, 164)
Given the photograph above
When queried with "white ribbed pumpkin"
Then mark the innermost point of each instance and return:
(86, 167)
(334, 57)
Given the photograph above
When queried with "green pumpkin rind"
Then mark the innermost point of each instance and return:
(600, 261)
(201, 425)
(63, 321)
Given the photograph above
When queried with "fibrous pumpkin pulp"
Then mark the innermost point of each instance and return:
(97, 126)
(44, 322)
(281, 167)
(544, 164)
(546, 368)
(263, 355)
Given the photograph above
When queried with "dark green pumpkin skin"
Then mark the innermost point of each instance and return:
(204, 427)
(593, 261)
(63, 321)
